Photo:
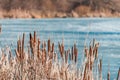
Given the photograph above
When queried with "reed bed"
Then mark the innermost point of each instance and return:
(41, 62)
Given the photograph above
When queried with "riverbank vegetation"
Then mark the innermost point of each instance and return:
(42, 61)
(59, 8)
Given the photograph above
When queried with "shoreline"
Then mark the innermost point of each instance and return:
(36, 14)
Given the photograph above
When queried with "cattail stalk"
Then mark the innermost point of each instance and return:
(34, 36)
(108, 76)
(60, 50)
(22, 54)
(75, 52)
(49, 45)
(52, 47)
(38, 49)
(72, 53)
(100, 70)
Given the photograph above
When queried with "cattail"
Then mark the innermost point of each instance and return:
(49, 46)
(90, 58)
(60, 49)
(100, 64)
(38, 49)
(96, 50)
(31, 40)
(52, 51)
(30, 37)
(31, 44)
(100, 70)
(22, 53)
(108, 76)
(90, 51)
(62, 46)
(44, 51)
(52, 47)
(20, 49)
(75, 53)
(34, 36)
(41, 64)
(18, 45)
(72, 54)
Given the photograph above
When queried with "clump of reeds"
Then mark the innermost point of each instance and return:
(91, 56)
(41, 62)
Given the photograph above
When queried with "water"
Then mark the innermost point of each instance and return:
(105, 30)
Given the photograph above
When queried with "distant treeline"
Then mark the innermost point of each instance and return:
(57, 5)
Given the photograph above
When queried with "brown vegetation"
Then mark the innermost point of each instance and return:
(41, 62)
(58, 8)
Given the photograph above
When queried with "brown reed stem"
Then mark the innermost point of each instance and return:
(52, 47)
(62, 46)
(100, 70)
(49, 45)
(72, 53)
(38, 49)
(34, 37)
(60, 50)
(108, 76)
(75, 53)
(31, 45)
(22, 54)
(96, 50)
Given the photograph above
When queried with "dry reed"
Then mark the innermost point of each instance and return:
(39, 63)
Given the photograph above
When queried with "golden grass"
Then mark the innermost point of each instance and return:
(42, 63)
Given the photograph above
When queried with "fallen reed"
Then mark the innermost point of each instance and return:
(41, 62)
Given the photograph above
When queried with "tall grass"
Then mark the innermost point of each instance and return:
(41, 62)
